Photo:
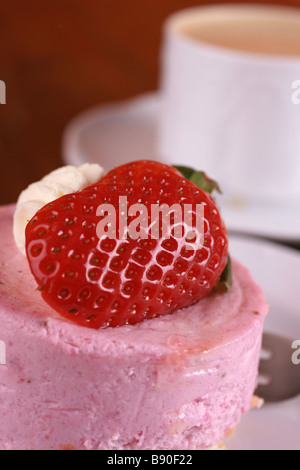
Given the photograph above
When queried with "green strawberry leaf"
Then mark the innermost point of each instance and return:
(185, 171)
(225, 282)
(199, 178)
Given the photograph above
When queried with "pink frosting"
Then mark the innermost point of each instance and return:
(176, 382)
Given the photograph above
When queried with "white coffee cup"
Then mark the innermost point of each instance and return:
(231, 111)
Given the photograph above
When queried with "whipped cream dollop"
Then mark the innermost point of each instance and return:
(65, 180)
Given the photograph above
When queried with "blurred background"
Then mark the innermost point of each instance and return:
(60, 57)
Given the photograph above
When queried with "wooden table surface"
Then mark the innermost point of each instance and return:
(59, 57)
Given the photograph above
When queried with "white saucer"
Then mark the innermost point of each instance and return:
(276, 269)
(114, 134)
(123, 132)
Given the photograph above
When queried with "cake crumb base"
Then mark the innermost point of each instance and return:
(219, 446)
(257, 402)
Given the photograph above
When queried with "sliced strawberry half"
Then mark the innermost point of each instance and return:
(98, 281)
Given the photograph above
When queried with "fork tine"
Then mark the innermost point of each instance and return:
(276, 364)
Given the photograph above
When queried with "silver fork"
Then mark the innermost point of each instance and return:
(279, 377)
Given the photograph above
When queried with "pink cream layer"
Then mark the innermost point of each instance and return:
(176, 382)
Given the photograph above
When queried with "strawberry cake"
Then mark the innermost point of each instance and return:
(178, 378)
